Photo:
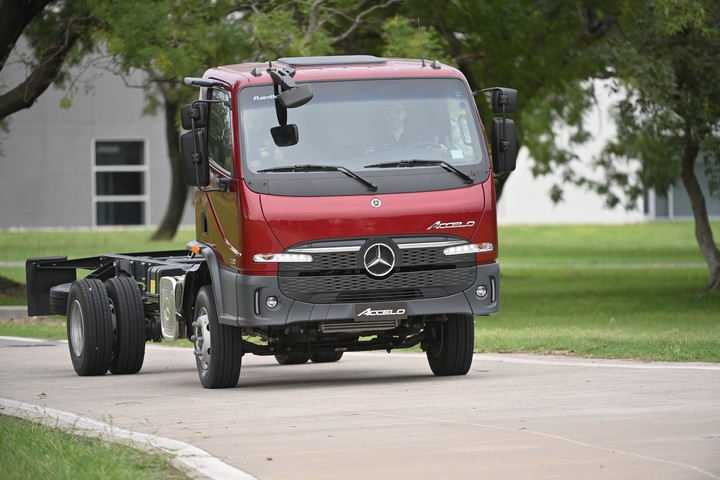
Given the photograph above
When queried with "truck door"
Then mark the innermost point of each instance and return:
(218, 224)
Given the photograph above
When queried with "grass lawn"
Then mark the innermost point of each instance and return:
(31, 450)
(607, 291)
(613, 313)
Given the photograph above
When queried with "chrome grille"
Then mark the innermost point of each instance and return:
(337, 273)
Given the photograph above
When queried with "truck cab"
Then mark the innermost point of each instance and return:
(357, 215)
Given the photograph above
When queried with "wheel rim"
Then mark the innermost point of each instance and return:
(113, 316)
(202, 338)
(76, 320)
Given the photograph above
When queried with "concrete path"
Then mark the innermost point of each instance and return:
(374, 415)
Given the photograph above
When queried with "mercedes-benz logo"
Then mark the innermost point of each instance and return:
(376, 203)
(379, 260)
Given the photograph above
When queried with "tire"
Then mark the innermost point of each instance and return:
(328, 357)
(292, 358)
(89, 327)
(451, 350)
(59, 299)
(218, 348)
(128, 315)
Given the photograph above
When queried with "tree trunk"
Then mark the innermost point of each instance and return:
(15, 18)
(178, 190)
(703, 230)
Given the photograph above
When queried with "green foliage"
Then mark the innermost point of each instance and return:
(667, 61)
(46, 26)
(663, 58)
(281, 34)
(169, 40)
(404, 39)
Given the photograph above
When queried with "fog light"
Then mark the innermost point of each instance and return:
(481, 291)
(271, 302)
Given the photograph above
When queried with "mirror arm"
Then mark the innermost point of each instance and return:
(283, 78)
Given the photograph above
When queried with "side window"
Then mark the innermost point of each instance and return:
(220, 132)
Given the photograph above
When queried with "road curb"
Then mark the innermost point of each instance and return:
(200, 462)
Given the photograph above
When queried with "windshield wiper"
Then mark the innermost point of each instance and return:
(322, 168)
(424, 163)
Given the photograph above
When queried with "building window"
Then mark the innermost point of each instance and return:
(675, 203)
(120, 172)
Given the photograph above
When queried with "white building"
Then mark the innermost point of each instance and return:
(99, 162)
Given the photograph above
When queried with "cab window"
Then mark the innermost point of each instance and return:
(220, 131)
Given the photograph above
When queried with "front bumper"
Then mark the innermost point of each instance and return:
(244, 297)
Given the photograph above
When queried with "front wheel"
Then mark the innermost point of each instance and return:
(218, 348)
(451, 346)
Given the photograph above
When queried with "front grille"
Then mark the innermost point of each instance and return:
(337, 273)
(358, 327)
(387, 295)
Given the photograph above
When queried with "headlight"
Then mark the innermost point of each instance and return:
(281, 258)
(470, 248)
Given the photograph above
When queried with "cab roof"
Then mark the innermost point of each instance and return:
(331, 67)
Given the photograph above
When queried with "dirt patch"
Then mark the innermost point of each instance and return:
(11, 288)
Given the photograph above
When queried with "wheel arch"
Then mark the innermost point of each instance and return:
(210, 273)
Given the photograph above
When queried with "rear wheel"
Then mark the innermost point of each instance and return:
(218, 348)
(292, 358)
(128, 317)
(327, 357)
(89, 327)
(451, 349)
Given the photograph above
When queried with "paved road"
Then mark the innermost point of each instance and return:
(385, 416)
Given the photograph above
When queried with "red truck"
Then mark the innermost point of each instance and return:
(343, 203)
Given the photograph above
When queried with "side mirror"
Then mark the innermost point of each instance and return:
(194, 115)
(285, 135)
(504, 100)
(296, 96)
(196, 163)
(504, 145)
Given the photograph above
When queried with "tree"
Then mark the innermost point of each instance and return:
(55, 31)
(664, 61)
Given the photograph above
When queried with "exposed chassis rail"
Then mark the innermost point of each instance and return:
(146, 267)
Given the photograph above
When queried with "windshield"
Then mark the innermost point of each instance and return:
(371, 127)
